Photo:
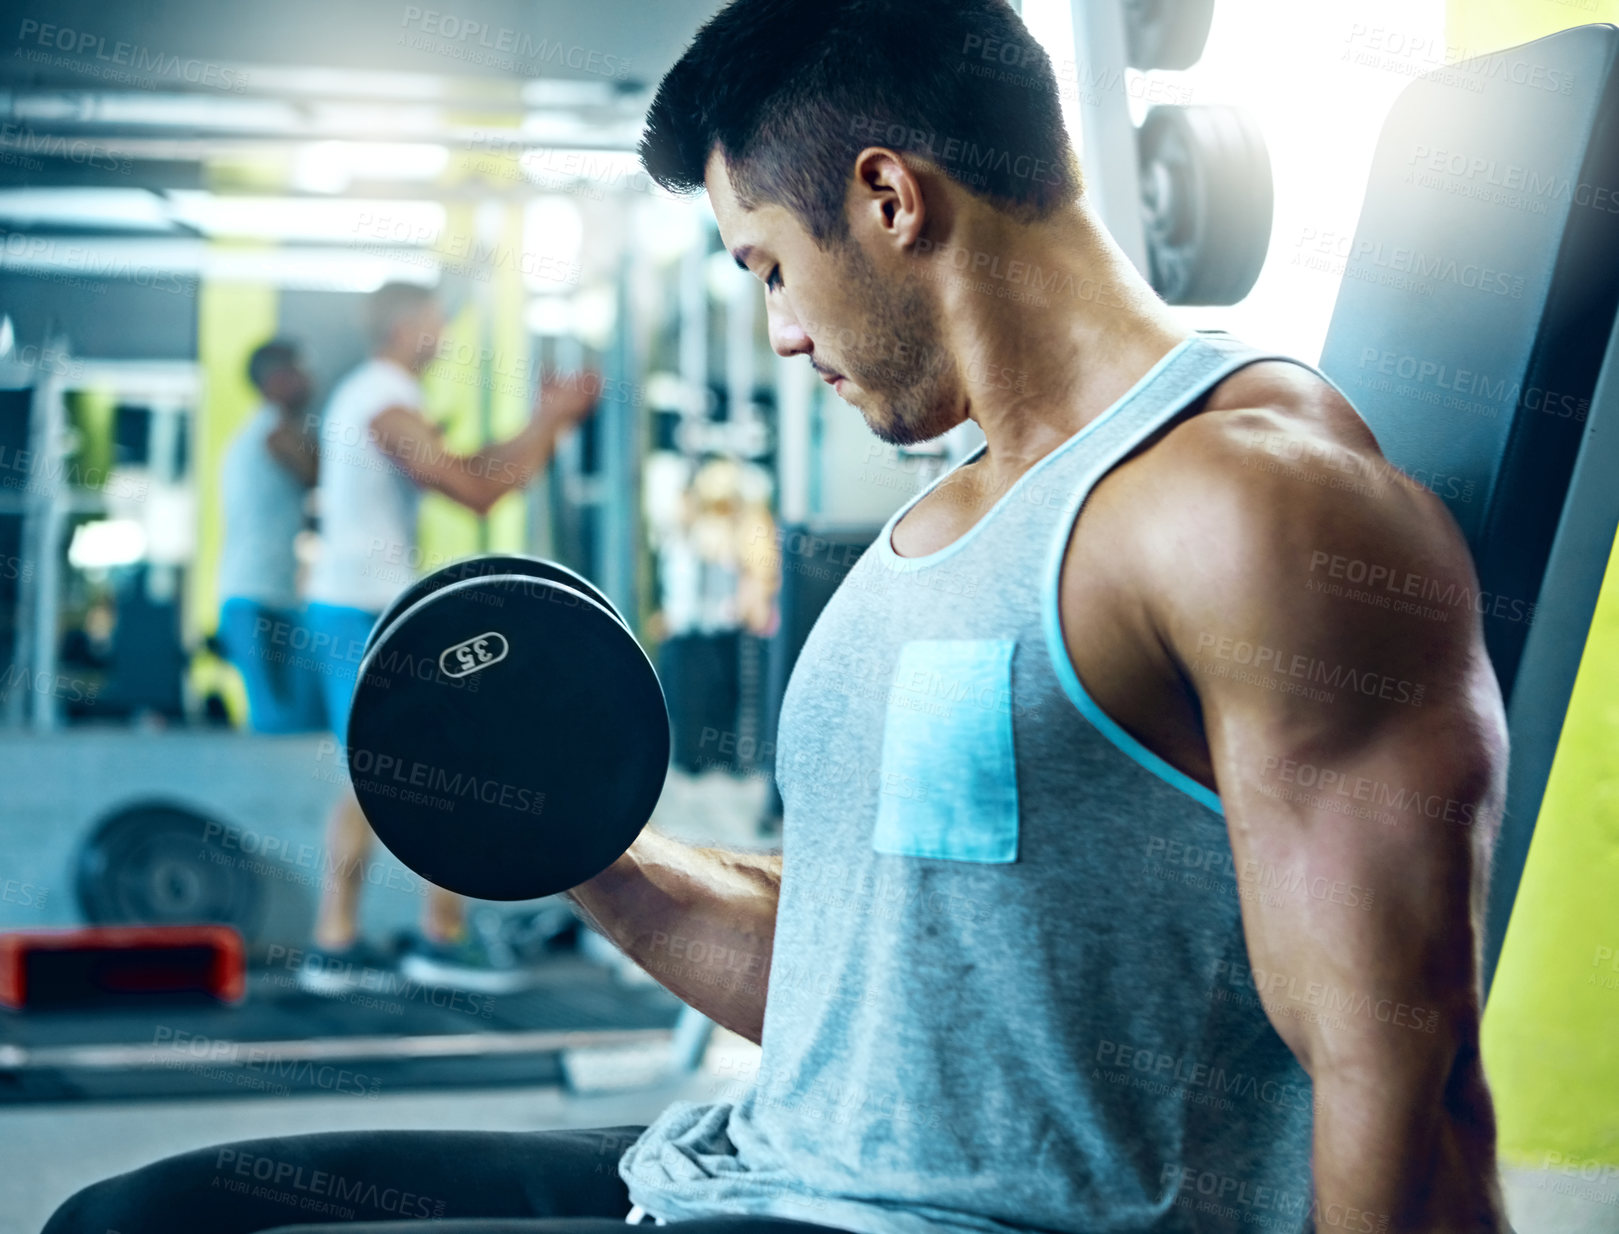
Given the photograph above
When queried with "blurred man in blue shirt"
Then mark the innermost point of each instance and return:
(268, 471)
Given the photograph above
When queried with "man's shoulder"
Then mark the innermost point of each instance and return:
(370, 386)
(247, 442)
(1239, 511)
(1273, 448)
(1276, 463)
(1273, 409)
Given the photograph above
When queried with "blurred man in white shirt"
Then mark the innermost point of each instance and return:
(379, 454)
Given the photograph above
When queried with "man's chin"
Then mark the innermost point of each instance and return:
(895, 432)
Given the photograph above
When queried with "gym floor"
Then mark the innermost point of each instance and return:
(51, 1150)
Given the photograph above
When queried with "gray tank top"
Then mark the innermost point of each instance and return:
(1009, 989)
(264, 511)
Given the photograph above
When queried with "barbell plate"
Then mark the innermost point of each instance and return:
(1166, 34)
(480, 567)
(161, 863)
(1207, 202)
(507, 751)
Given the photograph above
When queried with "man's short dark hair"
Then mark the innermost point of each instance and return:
(392, 303)
(269, 358)
(791, 90)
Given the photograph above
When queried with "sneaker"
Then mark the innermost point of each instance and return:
(333, 972)
(468, 964)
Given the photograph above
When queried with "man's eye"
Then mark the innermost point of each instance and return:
(773, 279)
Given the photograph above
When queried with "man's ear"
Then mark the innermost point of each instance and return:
(887, 195)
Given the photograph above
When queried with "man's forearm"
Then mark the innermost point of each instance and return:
(701, 921)
(297, 454)
(503, 466)
(1405, 1155)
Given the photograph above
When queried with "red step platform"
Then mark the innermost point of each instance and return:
(109, 963)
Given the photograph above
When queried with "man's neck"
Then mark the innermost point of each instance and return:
(1076, 328)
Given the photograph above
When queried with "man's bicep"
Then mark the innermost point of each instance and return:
(1357, 744)
(1359, 857)
(1359, 766)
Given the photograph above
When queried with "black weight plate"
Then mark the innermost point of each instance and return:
(1166, 34)
(157, 863)
(522, 767)
(480, 567)
(1207, 202)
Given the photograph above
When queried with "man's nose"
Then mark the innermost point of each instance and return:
(787, 336)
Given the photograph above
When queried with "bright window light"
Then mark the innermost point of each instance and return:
(331, 166)
(595, 316)
(553, 243)
(316, 269)
(203, 111)
(610, 170)
(360, 222)
(381, 122)
(590, 315)
(667, 228)
(551, 316)
(1319, 78)
(120, 209)
(560, 92)
(722, 277)
(109, 542)
(1052, 24)
(162, 263)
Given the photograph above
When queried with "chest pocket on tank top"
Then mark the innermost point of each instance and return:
(948, 784)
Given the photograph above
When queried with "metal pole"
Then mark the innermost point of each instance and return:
(569, 489)
(17, 701)
(1108, 137)
(537, 499)
(795, 390)
(162, 578)
(620, 458)
(48, 439)
(741, 310)
(694, 326)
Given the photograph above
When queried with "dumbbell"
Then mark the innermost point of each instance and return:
(483, 567)
(508, 737)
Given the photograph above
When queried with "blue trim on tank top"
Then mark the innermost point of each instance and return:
(1099, 719)
(893, 560)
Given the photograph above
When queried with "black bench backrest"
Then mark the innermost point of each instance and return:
(1472, 330)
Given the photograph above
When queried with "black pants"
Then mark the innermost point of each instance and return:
(387, 1182)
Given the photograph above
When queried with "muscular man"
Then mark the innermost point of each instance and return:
(381, 453)
(1130, 877)
(269, 468)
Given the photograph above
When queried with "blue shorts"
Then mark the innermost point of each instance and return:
(337, 640)
(269, 647)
